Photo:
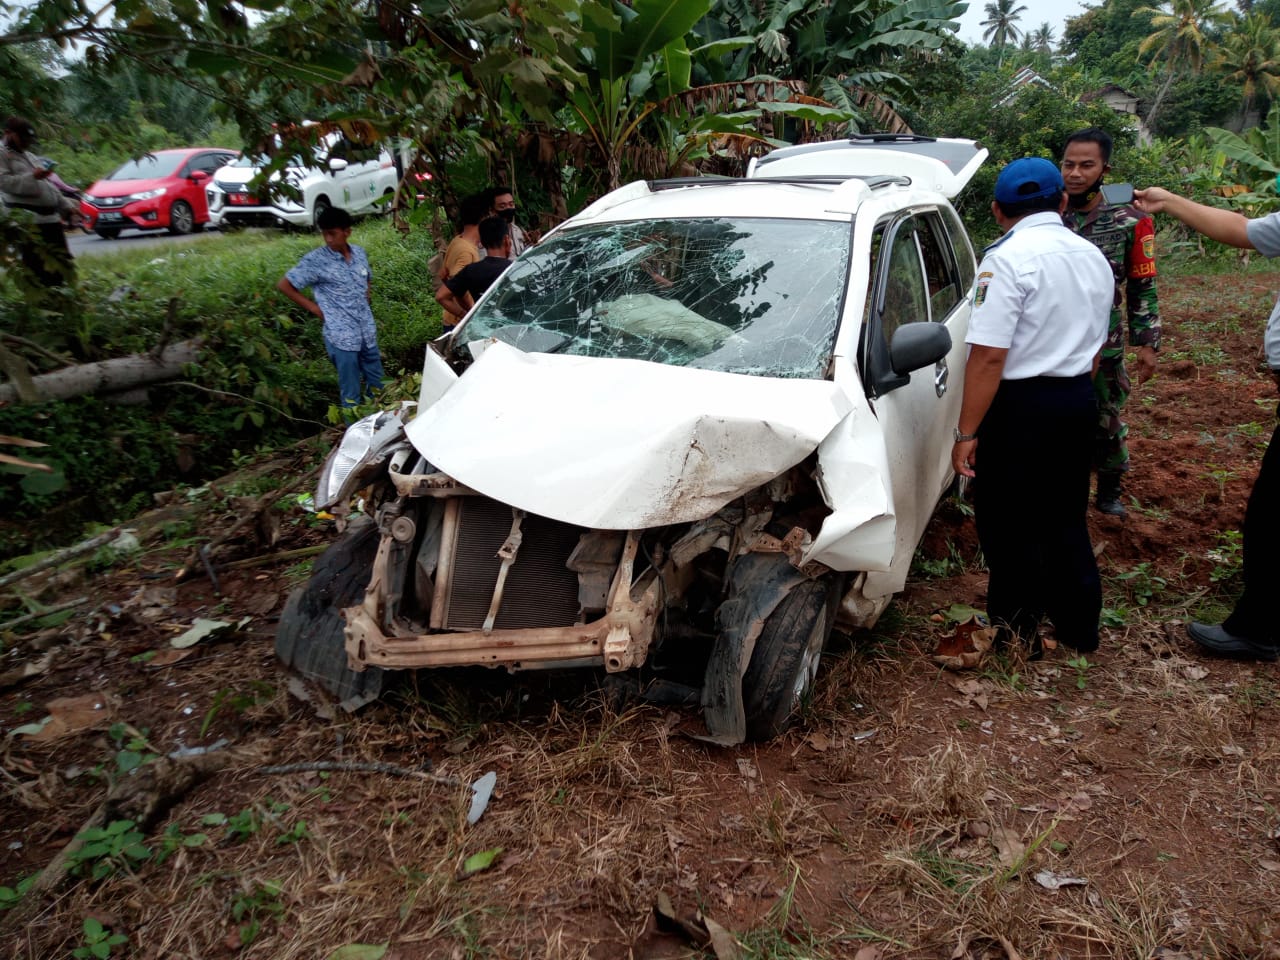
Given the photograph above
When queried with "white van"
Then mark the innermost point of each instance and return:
(349, 175)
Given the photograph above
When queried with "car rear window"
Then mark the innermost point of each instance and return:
(752, 296)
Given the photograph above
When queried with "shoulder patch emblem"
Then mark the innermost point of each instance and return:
(1149, 246)
(980, 293)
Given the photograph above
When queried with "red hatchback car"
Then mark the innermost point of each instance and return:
(158, 190)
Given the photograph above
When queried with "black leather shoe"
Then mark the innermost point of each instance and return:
(1216, 641)
(1111, 506)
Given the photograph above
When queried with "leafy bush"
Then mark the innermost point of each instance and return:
(263, 377)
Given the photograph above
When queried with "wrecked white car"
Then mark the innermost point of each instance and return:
(697, 426)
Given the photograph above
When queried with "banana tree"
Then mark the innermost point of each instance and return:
(1258, 150)
(845, 53)
(637, 57)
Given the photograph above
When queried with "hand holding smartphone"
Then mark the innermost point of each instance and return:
(1117, 194)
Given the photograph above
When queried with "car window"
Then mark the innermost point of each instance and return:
(960, 245)
(904, 293)
(208, 162)
(150, 167)
(945, 290)
(361, 153)
(742, 295)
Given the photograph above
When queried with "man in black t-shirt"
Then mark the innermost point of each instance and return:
(460, 292)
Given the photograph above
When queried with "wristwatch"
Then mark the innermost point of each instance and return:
(964, 437)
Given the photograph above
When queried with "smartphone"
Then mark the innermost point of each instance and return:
(1117, 194)
(47, 163)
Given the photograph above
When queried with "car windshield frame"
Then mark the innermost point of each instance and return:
(151, 166)
(754, 295)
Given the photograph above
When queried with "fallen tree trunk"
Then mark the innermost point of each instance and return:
(107, 376)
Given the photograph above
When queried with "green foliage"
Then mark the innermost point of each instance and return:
(250, 909)
(1227, 557)
(1141, 583)
(108, 850)
(295, 834)
(1080, 665)
(98, 941)
(11, 896)
(173, 840)
(132, 751)
(243, 825)
(1257, 151)
(237, 700)
(1034, 121)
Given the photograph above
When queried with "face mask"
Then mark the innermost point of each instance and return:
(508, 215)
(1078, 201)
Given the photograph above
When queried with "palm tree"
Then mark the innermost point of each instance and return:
(1042, 39)
(1250, 56)
(1179, 39)
(1000, 29)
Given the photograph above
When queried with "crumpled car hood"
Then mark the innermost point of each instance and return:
(619, 444)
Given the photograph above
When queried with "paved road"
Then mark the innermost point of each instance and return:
(90, 244)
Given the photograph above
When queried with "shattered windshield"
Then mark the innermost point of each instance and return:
(753, 296)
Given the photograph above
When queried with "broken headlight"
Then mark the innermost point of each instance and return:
(365, 443)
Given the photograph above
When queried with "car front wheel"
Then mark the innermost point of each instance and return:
(182, 219)
(784, 663)
(322, 204)
(310, 637)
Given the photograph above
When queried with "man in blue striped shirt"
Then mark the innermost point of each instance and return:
(340, 280)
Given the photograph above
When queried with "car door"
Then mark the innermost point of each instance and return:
(207, 163)
(919, 278)
(350, 184)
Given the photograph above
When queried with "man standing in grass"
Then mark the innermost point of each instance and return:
(1126, 237)
(1026, 421)
(339, 277)
(1250, 633)
(26, 184)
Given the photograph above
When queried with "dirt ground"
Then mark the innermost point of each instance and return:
(1127, 805)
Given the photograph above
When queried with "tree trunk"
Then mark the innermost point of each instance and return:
(106, 376)
(1164, 88)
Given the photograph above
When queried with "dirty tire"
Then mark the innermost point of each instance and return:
(310, 638)
(784, 662)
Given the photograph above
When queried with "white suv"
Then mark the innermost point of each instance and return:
(695, 427)
(350, 176)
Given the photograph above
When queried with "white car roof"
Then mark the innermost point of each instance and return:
(819, 181)
(941, 164)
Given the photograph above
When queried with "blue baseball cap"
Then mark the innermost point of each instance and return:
(1028, 178)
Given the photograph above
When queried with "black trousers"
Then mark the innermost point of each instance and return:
(1254, 616)
(47, 256)
(1031, 500)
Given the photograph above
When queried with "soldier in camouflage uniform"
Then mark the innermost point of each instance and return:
(1126, 236)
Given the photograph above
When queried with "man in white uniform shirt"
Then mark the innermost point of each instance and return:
(1041, 306)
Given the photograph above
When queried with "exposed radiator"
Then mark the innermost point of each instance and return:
(540, 590)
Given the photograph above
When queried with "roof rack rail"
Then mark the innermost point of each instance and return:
(879, 180)
(890, 138)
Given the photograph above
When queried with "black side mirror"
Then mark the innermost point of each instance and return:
(917, 345)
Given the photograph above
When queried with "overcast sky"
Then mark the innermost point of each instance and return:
(1055, 12)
